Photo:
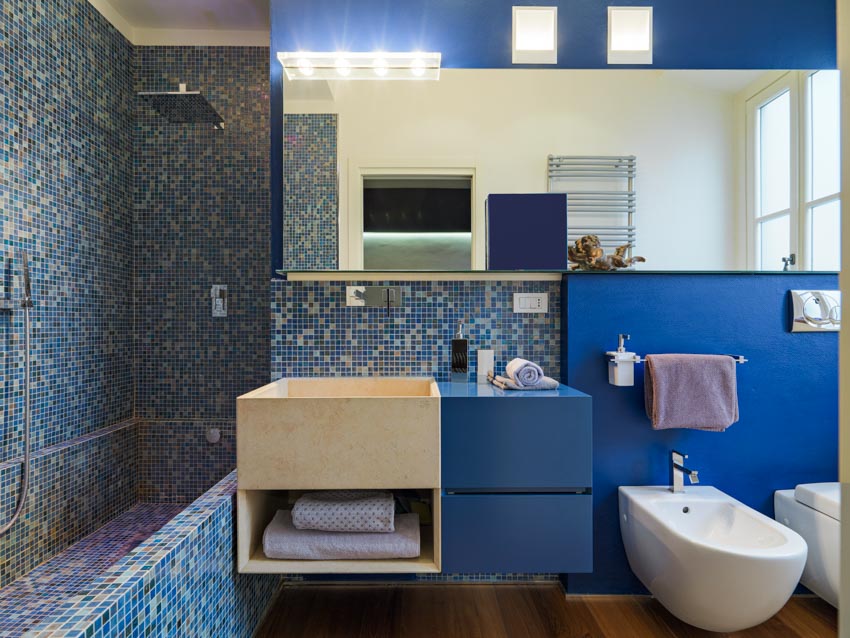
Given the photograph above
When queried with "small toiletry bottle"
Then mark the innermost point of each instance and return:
(486, 365)
(460, 356)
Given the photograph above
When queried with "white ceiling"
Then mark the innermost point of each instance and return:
(189, 22)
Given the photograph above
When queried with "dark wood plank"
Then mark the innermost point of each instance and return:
(504, 611)
(524, 614)
(419, 613)
(810, 617)
(626, 617)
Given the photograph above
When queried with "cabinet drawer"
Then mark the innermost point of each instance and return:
(525, 444)
(534, 533)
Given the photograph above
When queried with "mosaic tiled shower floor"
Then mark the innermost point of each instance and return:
(30, 600)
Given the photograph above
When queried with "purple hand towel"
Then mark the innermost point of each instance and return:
(697, 391)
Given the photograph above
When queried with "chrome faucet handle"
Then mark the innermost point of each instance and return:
(678, 457)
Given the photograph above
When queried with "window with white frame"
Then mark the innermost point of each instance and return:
(794, 171)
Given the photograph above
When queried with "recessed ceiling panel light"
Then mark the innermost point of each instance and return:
(535, 35)
(629, 35)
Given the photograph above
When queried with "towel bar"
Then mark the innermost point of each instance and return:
(612, 356)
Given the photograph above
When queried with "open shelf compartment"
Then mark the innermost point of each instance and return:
(256, 508)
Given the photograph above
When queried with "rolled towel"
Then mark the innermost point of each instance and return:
(345, 511)
(505, 383)
(524, 373)
(694, 391)
(281, 540)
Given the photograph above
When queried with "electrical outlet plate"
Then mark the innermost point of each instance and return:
(527, 302)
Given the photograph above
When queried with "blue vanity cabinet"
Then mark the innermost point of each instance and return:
(516, 480)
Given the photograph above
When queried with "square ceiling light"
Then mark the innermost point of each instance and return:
(629, 35)
(535, 35)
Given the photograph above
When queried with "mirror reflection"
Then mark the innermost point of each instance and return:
(734, 170)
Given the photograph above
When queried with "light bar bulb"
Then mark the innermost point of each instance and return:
(343, 67)
(305, 67)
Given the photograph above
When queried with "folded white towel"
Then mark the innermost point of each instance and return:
(524, 373)
(505, 383)
(345, 511)
(282, 540)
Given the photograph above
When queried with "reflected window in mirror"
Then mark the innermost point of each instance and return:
(794, 173)
(417, 223)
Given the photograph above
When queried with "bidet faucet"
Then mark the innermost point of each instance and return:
(678, 470)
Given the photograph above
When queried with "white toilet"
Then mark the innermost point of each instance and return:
(813, 510)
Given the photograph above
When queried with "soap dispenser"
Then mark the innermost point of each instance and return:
(460, 356)
(621, 364)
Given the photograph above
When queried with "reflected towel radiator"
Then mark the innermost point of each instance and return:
(600, 196)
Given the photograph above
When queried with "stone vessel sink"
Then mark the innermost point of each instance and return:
(339, 433)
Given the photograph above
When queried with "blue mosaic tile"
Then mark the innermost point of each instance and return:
(176, 462)
(66, 129)
(66, 133)
(315, 334)
(201, 217)
(182, 581)
(75, 487)
(34, 598)
(310, 197)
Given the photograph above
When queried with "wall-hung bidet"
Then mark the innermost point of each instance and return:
(813, 510)
(26, 304)
(710, 560)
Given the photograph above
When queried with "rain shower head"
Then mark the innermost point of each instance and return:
(183, 107)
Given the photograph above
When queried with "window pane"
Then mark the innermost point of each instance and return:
(825, 118)
(775, 155)
(826, 236)
(774, 242)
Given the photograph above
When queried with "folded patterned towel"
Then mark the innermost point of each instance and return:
(504, 383)
(345, 511)
(282, 540)
(524, 373)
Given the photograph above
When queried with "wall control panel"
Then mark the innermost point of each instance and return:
(531, 302)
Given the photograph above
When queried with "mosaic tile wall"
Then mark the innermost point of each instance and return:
(73, 571)
(176, 462)
(310, 192)
(66, 128)
(66, 197)
(180, 582)
(201, 201)
(315, 334)
(75, 488)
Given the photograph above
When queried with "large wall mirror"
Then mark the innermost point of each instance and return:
(735, 170)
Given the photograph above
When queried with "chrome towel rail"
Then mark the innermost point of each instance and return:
(601, 197)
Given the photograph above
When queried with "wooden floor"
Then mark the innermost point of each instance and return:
(503, 611)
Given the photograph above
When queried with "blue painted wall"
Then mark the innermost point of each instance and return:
(688, 34)
(788, 391)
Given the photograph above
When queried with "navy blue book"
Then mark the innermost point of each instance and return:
(527, 231)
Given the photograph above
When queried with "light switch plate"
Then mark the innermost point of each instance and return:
(537, 302)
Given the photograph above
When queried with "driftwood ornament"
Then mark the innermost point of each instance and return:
(587, 254)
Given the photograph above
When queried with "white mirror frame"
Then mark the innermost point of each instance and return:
(351, 220)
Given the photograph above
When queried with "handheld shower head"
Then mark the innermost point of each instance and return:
(26, 302)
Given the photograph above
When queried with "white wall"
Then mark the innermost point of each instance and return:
(505, 123)
(843, 8)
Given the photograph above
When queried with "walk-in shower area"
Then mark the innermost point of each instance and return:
(128, 198)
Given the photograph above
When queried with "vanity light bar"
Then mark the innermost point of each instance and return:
(376, 65)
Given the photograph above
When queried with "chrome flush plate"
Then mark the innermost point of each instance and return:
(816, 310)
